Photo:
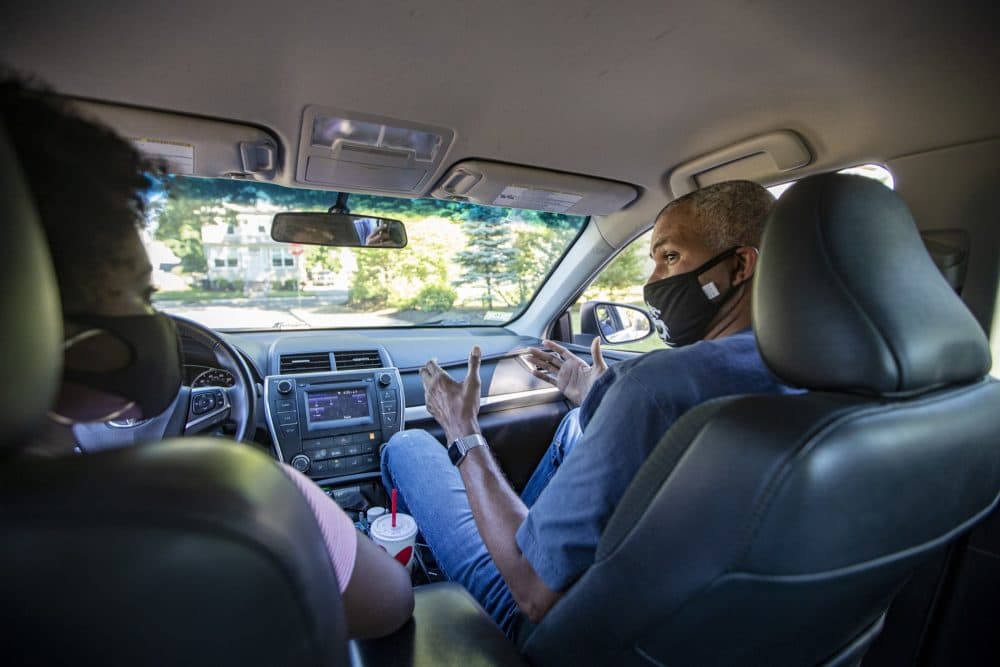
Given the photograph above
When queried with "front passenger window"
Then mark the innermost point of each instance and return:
(621, 281)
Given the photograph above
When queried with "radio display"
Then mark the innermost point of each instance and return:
(337, 405)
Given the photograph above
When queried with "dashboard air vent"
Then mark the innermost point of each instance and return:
(355, 359)
(314, 362)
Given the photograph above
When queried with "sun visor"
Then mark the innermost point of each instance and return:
(513, 186)
(190, 145)
(765, 159)
(354, 151)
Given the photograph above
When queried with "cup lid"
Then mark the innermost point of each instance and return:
(405, 526)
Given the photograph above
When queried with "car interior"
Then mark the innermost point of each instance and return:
(854, 523)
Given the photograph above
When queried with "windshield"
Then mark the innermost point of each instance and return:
(214, 261)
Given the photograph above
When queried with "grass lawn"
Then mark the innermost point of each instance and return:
(206, 295)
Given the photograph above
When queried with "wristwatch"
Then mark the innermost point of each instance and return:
(460, 447)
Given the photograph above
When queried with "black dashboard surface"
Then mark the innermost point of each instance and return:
(409, 349)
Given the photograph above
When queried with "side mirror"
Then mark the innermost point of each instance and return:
(615, 323)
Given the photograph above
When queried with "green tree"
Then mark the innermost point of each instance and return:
(537, 249)
(321, 258)
(179, 227)
(372, 284)
(625, 271)
(490, 257)
(184, 206)
(392, 277)
(434, 298)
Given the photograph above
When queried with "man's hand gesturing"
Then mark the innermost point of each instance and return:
(455, 405)
(571, 374)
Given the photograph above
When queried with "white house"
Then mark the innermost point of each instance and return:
(244, 251)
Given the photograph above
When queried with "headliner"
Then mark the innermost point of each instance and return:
(619, 90)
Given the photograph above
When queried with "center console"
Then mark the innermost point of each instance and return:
(331, 424)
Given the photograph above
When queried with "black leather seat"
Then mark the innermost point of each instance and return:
(776, 530)
(186, 552)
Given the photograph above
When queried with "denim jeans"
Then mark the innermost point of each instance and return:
(431, 490)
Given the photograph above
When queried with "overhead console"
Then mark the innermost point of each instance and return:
(328, 412)
(356, 151)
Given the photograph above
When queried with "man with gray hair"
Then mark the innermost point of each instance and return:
(518, 554)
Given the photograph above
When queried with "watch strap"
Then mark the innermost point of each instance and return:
(461, 446)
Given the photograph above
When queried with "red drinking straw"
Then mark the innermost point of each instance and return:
(394, 508)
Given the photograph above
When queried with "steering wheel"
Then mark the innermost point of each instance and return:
(194, 409)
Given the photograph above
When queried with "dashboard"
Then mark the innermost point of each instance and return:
(196, 375)
(328, 399)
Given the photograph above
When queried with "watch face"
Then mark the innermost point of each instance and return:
(454, 454)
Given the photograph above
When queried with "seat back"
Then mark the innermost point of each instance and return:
(183, 552)
(31, 356)
(777, 529)
(187, 552)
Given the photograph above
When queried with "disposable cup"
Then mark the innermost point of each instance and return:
(398, 541)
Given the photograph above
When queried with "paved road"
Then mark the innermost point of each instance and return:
(280, 312)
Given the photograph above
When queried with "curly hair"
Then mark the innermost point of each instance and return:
(87, 184)
(728, 214)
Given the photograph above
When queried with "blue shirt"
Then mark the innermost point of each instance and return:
(623, 417)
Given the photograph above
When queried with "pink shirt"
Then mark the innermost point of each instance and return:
(338, 530)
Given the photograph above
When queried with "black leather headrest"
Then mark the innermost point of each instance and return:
(31, 354)
(846, 297)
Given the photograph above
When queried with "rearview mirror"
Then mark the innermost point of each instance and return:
(338, 229)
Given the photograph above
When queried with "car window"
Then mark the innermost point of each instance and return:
(215, 262)
(621, 281)
(875, 171)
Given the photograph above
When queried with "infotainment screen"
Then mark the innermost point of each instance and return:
(337, 404)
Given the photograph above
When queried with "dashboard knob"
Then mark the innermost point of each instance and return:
(285, 387)
(384, 379)
(301, 462)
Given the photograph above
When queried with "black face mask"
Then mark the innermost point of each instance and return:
(151, 377)
(682, 307)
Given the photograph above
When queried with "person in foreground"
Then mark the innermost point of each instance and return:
(518, 554)
(122, 358)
